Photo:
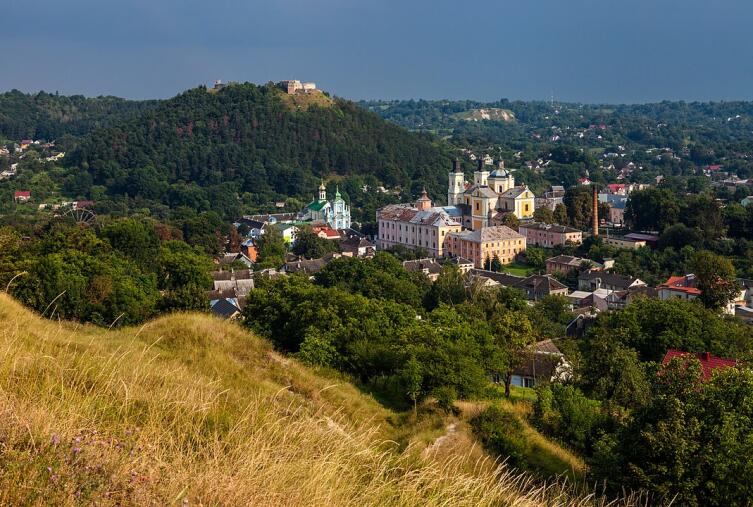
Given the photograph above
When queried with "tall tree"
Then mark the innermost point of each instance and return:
(715, 276)
(544, 214)
(272, 248)
(512, 334)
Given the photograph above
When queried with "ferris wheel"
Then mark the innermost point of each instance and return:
(81, 216)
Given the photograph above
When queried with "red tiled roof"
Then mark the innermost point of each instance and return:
(22, 193)
(680, 284)
(709, 363)
(714, 167)
(616, 186)
(328, 231)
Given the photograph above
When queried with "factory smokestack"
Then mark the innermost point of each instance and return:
(595, 224)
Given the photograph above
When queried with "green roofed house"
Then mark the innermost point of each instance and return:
(335, 213)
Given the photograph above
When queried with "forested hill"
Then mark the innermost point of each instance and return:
(49, 116)
(256, 139)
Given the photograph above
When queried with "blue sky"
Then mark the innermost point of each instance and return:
(580, 50)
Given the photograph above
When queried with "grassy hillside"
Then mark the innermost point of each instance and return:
(189, 409)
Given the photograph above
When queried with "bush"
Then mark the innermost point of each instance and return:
(501, 432)
(564, 411)
(446, 396)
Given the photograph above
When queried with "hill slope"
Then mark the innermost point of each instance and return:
(253, 139)
(49, 116)
(195, 410)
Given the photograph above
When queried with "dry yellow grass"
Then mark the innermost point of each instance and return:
(303, 101)
(195, 411)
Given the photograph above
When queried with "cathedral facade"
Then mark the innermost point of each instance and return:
(490, 196)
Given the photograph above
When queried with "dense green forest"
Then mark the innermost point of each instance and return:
(205, 149)
(49, 116)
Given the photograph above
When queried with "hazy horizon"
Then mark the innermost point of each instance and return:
(582, 51)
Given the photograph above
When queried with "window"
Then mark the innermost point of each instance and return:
(526, 208)
(528, 382)
(477, 207)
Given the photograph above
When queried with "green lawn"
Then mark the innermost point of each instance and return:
(516, 268)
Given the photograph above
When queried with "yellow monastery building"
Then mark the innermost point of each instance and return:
(491, 195)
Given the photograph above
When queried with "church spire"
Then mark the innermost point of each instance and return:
(423, 202)
(322, 192)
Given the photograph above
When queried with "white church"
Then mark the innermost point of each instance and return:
(335, 213)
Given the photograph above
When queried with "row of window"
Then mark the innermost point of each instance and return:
(399, 239)
(391, 225)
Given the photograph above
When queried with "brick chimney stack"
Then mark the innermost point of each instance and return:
(595, 224)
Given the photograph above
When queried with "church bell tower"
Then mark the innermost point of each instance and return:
(456, 185)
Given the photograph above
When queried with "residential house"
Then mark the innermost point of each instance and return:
(549, 235)
(565, 263)
(593, 280)
(747, 201)
(709, 363)
(21, 196)
(255, 228)
(504, 279)
(623, 242)
(241, 281)
(583, 320)
(481, 246)
(620, 299)
(651, 240)
(230, 258)
(617, 188)
(356, 246)
(746, 293)
(249, 249)
(226, 308)
(325, 232)
(309, 266)
(551, 198)
(617, 213)
(473, 280)
(288, 231)
(744, 313)
(430, 267)
(538, 287)
(541, 363)
(535, 287)
(679, 287)
(272, 218)
(464, 265)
